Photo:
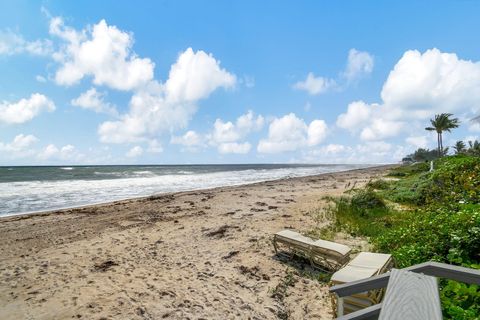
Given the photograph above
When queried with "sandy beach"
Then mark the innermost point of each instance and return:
(190, 255)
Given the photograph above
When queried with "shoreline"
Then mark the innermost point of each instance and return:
(194, 254)
(54, 210)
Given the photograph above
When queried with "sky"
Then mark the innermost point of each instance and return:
(194, 82)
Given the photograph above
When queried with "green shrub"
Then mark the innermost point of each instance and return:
(366, 201)
(379, 184)
(434, 234)
(460, 301)
(408, 170)
(409, 190)
(364, 213)
(455, 179)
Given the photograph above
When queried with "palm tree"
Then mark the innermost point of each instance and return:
(474, 148)
(440, 123)
(460, 147)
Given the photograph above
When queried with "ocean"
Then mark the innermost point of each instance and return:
(34, 189)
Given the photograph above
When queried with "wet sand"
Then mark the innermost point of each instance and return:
(190, 255)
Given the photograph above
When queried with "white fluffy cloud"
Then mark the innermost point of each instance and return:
(135, 152)
(315, 85)
(12, 43)
(422, 84)
(379, 129)
(94, 100)
(358, 113)
(168, 107)
(370, 120)
(101, 51)
(19, 147)
(195, 76)
(25, 109)
(234, 147)
(417, 141)
(51, 152)
(227, 135)
(359, 64)
(419, 86)
(369, 152)
(290, 133)
(316, 133)
(333, 148)
(230, 132)
(191, 141)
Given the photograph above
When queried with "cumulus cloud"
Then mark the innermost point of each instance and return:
(359, 63)
(417, 141)
(157, 108)
(379, 129)
(135, 152)
(369, 152)
(234, 147)
(25, 109)
(67, 152)
(316, 133)
(101, 51)
(195, 76)
(289, 133)
(19, 147)
(333, 148)
(315, 85)
(419, 86)
(94, 100)
(230, 132)
(358, 113)
(12, 43)
(191, 141)
(227, 135)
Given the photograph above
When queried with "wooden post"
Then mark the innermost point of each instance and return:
(339, 306)
(411, 296)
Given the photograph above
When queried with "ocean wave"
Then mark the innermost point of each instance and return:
(66, 168)
(30, 196)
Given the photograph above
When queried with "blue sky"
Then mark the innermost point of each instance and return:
(233, 82)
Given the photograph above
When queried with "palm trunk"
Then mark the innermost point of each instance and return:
(441, 145)
(438, 144)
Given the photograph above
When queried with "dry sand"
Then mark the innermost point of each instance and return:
(191, 255)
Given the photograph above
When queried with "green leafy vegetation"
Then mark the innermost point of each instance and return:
(422, 216)
(378, 184)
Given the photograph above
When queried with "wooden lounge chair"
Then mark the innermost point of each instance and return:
(365, 265)
(321, 253)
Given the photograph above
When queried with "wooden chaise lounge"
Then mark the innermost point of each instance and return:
(364, 265)
(321, 253)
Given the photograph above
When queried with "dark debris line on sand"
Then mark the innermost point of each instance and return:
(104, 266)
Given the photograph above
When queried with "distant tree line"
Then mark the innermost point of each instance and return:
(444, 123)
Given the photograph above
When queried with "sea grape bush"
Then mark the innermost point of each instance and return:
(424, 216)
(457, 179)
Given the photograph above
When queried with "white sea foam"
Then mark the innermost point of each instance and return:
(31, 196)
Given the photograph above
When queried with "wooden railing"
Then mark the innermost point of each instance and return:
(435, 269)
